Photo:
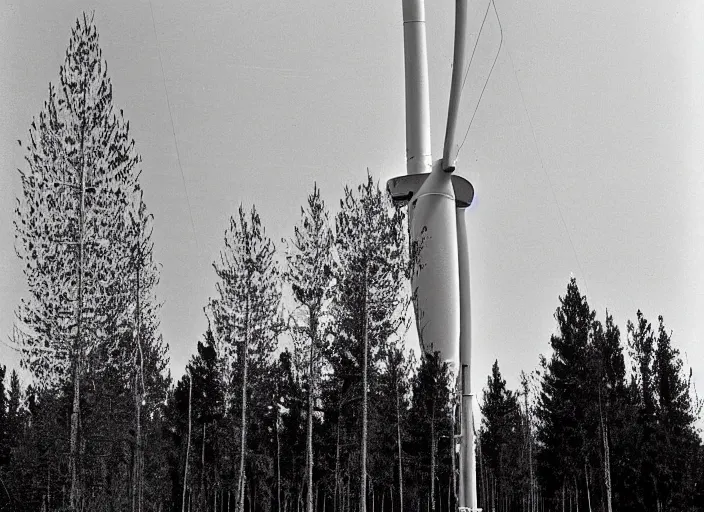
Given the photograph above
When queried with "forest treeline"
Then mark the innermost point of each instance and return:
(300, 395)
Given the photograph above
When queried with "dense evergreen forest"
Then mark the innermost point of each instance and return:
(300, 395)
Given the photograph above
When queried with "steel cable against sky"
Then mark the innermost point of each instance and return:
(486, 82)
(476, 43)
(540, 158)
(173, 130)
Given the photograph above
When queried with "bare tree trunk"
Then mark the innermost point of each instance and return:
(77, 354)
(363, 476)
(349, 495)
(586, 478)
(140, 497)
(278, 462)
(188, 446)
(432, 458)
(138, 380)
(203, 498)
(493, 491)
(337, 457)
(563, 495)
(311, 393)
(135, 459)
(400, 449)
(299, 498)
(243, 436)
(449, 491)
(607, 458)
(529, 439)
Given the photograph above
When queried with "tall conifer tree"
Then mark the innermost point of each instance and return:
(4, 441)
(500, 439)
(245, 315)
(563, 405)
(369, 298)
(309, 272)
(429, 419)
(79, 184)
(642, 349)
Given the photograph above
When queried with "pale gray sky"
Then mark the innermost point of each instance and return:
(267, 97)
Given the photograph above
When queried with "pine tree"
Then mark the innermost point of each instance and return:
(369, 299)
(394, 391)
(188, 441)
(290, 433)
(676, 435)
(36, 476)
(14, 398)
(429, 421)
(154, 382)
(663, 443)
(611, 399)
(564, 398)
(11, 429)
(4, 440)
(69, 223)
(641, 341)
(176, 419)
(500, 439)
(140, 284)
(208, 411)
(529, 435)
(246, 313)
(309, 273)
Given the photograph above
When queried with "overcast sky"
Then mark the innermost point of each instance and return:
(268, 97)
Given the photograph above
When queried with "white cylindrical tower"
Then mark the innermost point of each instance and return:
(418, 152)
(468, 471)
(434, 281)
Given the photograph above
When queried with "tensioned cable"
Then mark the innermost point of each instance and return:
(501, 42)
(476, 43)
(542, 164)
(173, 130)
